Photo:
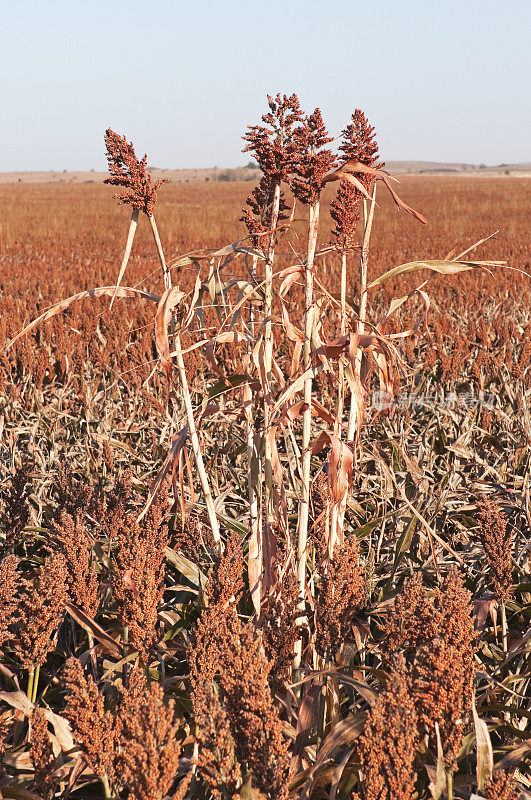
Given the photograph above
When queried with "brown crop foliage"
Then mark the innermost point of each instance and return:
(171, 623)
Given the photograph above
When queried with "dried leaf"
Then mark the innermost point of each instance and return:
(127, 252)
(108, 644)
(442, 267)
(171, 298)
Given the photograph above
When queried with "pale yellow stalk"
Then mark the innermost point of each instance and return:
(304, 511)
(187, 400)
(368, 217)
(337, 519)
(253, 464)
(268, 358)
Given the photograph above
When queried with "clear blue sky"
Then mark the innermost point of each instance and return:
(441, 80)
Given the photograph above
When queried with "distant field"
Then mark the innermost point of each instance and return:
(135, 631)
(522, 170)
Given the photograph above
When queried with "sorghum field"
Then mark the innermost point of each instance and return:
(265, 522)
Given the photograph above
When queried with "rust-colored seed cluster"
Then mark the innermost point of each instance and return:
(437, 637)
(388, 745)
(498, 541)
(72, 540)
(92, 725)
(358, 144)
(138, 581)
(41, 755)
(312, 159)
(14, 510)
(257, 217)
(343, 593)
(9, 581)
(273, 144)
(232, 652)
(278, 625)
(40, 611)
(502, 787)
(345, 211)
(127, 171)
(217, 762)
(72, 495)
(148, 751)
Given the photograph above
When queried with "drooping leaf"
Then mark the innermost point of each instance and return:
(442, 267)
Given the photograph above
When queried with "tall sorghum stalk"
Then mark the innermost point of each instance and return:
(187, 400)
(345, 213)
(253, 452)
(368, 216)
(127, 171)
(313, 163)
(358, 145)
(272, 146)
(302, 541)
(268, 358)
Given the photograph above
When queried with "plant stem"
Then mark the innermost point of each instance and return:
(353, 422)
(165, 271)
(306, 424)
(35, 683)
(106, 787)
(336, 525)
(29, 690)
(504, 625)
(196, 447)
(368, 216)
(253, 464)
(268, 360)
(450, 785)
(127, 251)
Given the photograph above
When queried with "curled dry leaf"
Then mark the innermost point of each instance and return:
(347, 171)
(169, 300)
(62, 731)
(127, 252)
(340, 463)
(202, 255)
(107, 643)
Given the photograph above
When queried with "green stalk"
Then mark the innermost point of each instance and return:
(450, 785)
(306, 423)
(35, 683)
(106, 787)
(31, 676)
